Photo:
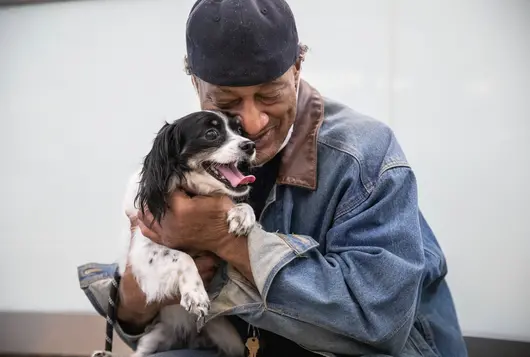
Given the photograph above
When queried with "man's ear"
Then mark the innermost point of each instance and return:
(297, 68)
(298, 64)
(195, 84)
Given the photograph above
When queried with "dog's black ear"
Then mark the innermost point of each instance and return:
(160, 165)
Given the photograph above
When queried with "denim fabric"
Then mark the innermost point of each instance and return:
(350, 268)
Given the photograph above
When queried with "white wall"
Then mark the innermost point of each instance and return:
(84, 85)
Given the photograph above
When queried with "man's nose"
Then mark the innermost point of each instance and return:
(253, 120)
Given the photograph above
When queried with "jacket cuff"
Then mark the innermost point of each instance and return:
(270, 252)
(96, 280)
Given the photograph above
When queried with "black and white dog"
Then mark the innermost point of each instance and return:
(203, 153)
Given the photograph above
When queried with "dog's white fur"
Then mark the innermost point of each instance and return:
(163, 273)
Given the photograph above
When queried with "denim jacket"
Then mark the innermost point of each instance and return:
(344, 261)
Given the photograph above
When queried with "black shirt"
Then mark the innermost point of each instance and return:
(271, 345)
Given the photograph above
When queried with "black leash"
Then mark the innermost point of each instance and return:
(111, 311)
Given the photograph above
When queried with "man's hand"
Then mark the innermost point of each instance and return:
(196, 223)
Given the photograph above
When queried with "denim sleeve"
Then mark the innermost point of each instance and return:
(365, 286)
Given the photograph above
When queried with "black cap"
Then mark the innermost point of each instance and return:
(241, 42)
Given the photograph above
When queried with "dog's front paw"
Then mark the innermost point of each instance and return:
(241, 219)
(196, 301)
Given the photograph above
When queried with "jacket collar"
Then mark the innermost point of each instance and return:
(299, 158)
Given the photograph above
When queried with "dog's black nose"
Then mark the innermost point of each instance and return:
(248, 147)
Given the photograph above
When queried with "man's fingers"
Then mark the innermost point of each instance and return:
(221, 203)
(180, 201)
(179, 197)
(148, 220)
(180, 194)
(134, 223)
(132, 217)
(146, 217)
(149, 233)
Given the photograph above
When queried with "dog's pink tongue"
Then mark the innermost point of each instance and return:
(234, 176)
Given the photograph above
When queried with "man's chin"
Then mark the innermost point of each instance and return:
(268, 147)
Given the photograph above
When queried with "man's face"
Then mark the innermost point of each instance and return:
(267, 111)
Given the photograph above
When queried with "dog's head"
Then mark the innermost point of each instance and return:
(203, 153)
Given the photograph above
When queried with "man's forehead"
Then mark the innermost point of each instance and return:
(275, 84)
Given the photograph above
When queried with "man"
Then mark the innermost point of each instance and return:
(344, 262)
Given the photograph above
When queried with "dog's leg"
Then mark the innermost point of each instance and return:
(167, 273)
(241, 219)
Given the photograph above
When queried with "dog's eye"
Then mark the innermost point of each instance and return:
(211, 134)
